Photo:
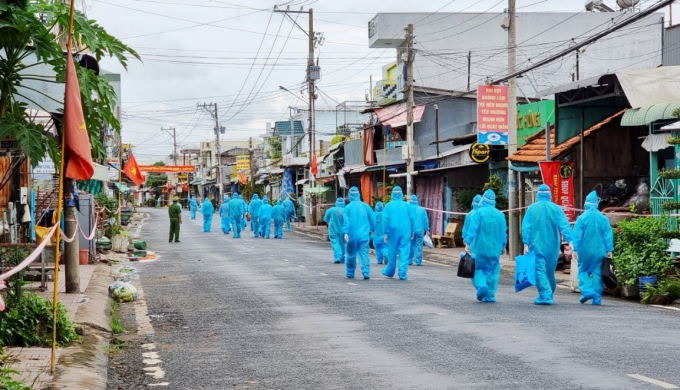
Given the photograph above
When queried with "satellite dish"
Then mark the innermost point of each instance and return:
(624, 4)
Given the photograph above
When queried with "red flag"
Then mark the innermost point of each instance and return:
(314, 168)
(78, 150)
(132, 170)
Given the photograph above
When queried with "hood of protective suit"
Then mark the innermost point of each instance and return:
(264, 199)
(489, 199)
(414, 199)
(476, 201)
(226, 199)
(354, 194)
(379, 207)
(592, 202)
(206, 201)
(397, 194)
(340, 202)
(256, 197)
(544, 192)
(279, 201)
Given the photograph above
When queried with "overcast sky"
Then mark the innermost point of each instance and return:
(196, 51)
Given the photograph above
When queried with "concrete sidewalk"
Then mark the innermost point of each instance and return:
(442, 256)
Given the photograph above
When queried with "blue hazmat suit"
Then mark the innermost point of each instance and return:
(487, 235)
(476, 201)
(225, 218)
(335, 221)
(193, 207)
(279, 216)
(541, 228)
(265, 217)
(378, 236)
(290, 211)
(593, 239)
(399, 225)
(358, 223)
(244, 221)
(420, 228)
(236, 213)
(207, 209)
(254, 210)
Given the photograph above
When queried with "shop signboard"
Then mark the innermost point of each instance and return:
(532, 117)
(242, 162)
(560, 178)
(492, 114)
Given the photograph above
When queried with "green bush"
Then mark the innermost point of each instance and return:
(465, 198)
(7, 375)
(667, 286)
(640, 250)
(27, 322)
(496, 184)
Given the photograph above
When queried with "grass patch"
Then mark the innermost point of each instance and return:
(115, 346)
(116, 324)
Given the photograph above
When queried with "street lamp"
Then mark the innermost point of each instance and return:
(281, 87)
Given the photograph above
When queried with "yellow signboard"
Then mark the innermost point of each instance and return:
(243, 162)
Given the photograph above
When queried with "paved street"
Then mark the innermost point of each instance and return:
(277, 314)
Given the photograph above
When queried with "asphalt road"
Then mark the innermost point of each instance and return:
(278, 314)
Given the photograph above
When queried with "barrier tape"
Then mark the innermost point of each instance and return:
(63, 235)
(34, 255)
(94, 230)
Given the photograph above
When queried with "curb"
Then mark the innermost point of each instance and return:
(84, 365)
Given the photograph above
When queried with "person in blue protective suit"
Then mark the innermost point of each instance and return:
(265, 217)
(244, 221)
(225, 218)
(399, 226)
(290, 211)
(541, 228)
(254, 210)
(279, 216)
(593, 240)
(236, 213)
(358, 223)
(193, 207)
(378, 235)
(487, 237)
(207, 209)
(420, 229)
(335, 221)
(476, 201)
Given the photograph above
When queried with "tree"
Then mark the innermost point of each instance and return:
(274, 144)
(28, 29)
(154, 180)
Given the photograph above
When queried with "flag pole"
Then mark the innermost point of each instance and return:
(60, 204)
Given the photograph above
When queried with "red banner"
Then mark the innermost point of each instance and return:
(559, 177)
(168, 169)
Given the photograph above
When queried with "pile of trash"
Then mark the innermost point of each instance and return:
(122, 291)
(616, 197)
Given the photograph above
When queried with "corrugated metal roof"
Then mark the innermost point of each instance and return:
(534, 150)
(283, 128)
(645, 115)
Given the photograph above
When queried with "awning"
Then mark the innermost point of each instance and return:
(395, 115)
(196, 182)
(671, 127)
(234, 180)
(335, 148)
(388, 168)
(643, 116)
(355, 168)
(122, 187)
(317, 190)
(276, 171)
(655, 142)
(324, 180)
(303, 181)
(261, 181)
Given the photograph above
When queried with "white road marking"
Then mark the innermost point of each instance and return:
(323, 274)
(152, 362)
(350, 283)
(151, 355)
(441, 314)
(149, 346)
(666, 307)
(301, 266)
(285, 259)
(159, 384)
(659, 383)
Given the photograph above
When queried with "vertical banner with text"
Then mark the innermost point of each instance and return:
(559, 177)
(492, 114)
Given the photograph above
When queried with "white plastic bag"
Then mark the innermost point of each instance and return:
(428, 241)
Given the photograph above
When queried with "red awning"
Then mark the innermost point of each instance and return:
(395, 115)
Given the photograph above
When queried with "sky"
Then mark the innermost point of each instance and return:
(237, 53)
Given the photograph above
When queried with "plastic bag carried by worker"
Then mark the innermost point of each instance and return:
(428, 241)
(525, 271)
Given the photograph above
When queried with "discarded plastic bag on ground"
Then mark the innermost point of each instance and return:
(428, 241)
(113, 286)
(125, 292)
(525, 271)
(466, 266)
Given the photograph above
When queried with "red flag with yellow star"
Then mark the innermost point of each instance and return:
(78, 152)
(132, 170)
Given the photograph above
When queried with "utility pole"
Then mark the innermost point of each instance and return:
(578, 65)
(512, 130)
(71, 249)
(409, 110)
(212, 109)
(174, 142)
(469, 58)
(250, 160)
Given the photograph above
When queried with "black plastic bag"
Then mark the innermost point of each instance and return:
(608, 273)
(466, 267)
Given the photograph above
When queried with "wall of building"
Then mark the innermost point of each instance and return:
(444, 40)
(456, 118)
